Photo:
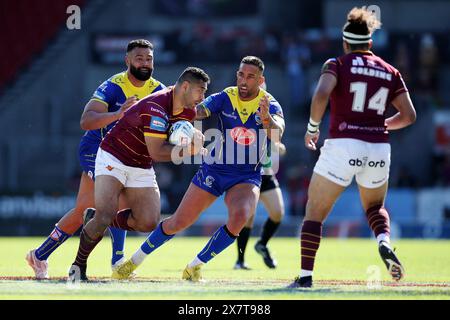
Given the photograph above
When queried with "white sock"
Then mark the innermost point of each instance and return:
(305, 273)
(138, 257)
(383, 237)
(120, 261)
(195, 262)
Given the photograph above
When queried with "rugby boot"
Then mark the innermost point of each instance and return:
(267, 258)
(301, 282)
(391, 261)
(40, 267)
(124, 270)
(192, 274)
(77, 273)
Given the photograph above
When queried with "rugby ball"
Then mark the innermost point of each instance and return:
(181, 133)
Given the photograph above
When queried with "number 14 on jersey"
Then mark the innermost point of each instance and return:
(376, 102)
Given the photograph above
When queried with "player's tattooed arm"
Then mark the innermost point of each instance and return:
(202, 112)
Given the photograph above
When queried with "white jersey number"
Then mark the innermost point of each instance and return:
(376, 102)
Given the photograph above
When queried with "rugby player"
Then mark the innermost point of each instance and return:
(106, 106)
(125, 157)
(242, 110)
(360, 86)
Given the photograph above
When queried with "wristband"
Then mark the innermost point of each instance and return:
(313, 126)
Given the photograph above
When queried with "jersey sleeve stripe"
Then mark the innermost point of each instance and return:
(208, 112)
(401, 90)
(330, 71)
(155, 135)
(95, 99)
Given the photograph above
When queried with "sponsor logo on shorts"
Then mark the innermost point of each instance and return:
(335, 176)
(379, 181)
(209, 181)
(362, 163)
(109, 167)
(243, 136)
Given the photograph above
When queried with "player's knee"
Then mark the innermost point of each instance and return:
(148, 225)
(103, 220)
(277, 215)
(240, 216)
(315, 210)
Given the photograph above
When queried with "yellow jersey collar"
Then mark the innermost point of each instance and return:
(244, 108)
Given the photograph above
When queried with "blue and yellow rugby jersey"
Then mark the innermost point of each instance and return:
(241, 129)
(113, 93)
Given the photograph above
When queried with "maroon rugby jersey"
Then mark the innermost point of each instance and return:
(152, 117)
(366, 86)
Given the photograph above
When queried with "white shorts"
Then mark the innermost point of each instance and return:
(130, 177)
(341, 159)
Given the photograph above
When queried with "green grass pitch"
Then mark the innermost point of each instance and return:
(345, 269)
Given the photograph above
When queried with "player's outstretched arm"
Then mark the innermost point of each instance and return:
(406, 114)
(96, 115)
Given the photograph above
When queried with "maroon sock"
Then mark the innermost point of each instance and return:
(378, 219)
(120, 221)
(310, 240)
(84, 250)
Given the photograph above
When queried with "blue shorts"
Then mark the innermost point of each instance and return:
(87, 151)
(216, 181)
